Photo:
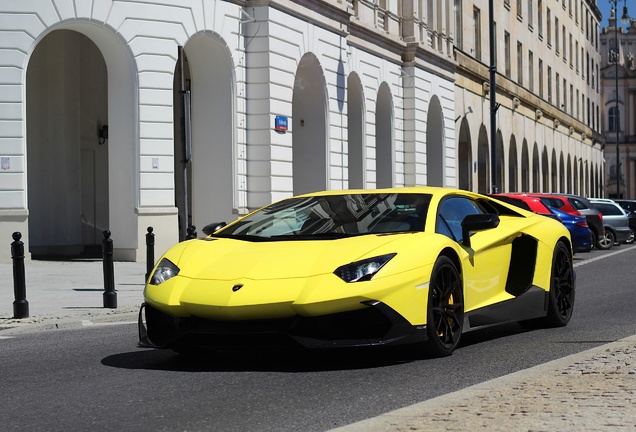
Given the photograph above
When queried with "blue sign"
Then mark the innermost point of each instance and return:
(280, 124)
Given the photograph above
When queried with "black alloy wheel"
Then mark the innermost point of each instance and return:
(445, 312)
(562, 289)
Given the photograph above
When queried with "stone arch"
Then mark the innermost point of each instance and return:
(81, 122)
(384, 145)
(211, 172)
(356, 128)
(465, 157)
(513, 168)
(309, 127)
(435, 143)
(483, 161)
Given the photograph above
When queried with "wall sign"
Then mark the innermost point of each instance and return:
(280, 124)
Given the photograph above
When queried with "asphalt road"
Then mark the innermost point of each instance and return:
(96, 378)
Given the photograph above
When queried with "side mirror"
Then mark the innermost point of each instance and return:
(477, 222)
(213, 227)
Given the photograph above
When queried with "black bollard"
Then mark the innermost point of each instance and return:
(110, 295)
(20, 305)
(150, 252)
(192, 232)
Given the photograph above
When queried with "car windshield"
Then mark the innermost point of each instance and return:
(333, 216)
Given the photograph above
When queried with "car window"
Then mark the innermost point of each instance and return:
(578, 204)
(450, 215)
(552, 202)
(608, 209)
(333, 216)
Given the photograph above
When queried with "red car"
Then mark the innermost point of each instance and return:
(530, 203)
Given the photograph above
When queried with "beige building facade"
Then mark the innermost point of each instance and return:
(618, 80)
(124, 115)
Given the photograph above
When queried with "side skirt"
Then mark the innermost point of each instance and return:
(531, 304)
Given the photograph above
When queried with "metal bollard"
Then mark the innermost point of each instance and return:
(150, 252)
(20, 305)
(110, 295)
(192, 232)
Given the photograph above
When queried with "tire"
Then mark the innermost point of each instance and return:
(445, 310)
(631, 236)
(606, 241)
(562, 288)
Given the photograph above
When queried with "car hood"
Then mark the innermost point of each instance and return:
(229, 259)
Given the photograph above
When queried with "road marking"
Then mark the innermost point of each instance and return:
(591, 260)
(87, 323)
(6, 337)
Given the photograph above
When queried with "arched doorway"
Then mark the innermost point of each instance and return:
(356, 125)
(68, 145)
(384, 147)
(536, 169)
(545, 171)
(309, 127)
(465, 157)
(501, 164)
(483, 162)
(525, 167)
(435, 143)
(513, 171)
(204, 133)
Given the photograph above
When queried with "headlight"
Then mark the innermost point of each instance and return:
(165, 270)
(362, 270)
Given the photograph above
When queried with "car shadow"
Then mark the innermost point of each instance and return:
(294, 360)
(259, 360)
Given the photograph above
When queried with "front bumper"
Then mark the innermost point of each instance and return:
(375, 325)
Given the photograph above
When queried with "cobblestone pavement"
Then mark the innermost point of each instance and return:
(590, 391)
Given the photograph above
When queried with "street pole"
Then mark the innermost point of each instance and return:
(493, 100)
(617, 116)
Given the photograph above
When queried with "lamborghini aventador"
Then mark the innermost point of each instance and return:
(343, 268)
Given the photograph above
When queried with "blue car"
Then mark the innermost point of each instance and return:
(582, 239)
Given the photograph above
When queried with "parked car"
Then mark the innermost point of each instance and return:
(578, 206)
(615, 220)
(530, 203)
(331, 269)
(630, 207)
(582, 238)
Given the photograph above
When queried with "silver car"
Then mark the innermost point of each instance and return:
(615, 220)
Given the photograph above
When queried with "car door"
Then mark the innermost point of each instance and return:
(486, 262)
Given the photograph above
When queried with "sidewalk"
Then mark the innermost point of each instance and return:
(590, 391)
(65, 292)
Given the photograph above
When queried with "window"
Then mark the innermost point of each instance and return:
(520, 63)
(530, 71)
(556, 35)
(549, 84)
(477, 27)
(571, 52)
(540, 17)
(541, 78)
(613, 119)
(452, 212)
(507, 53)
(530, 13)
(459, 30)
(549, 29)
(520, 9)
(558, 90)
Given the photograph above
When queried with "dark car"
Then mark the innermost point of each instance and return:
(630, 207)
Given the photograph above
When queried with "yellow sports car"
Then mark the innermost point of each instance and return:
(417, 265)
